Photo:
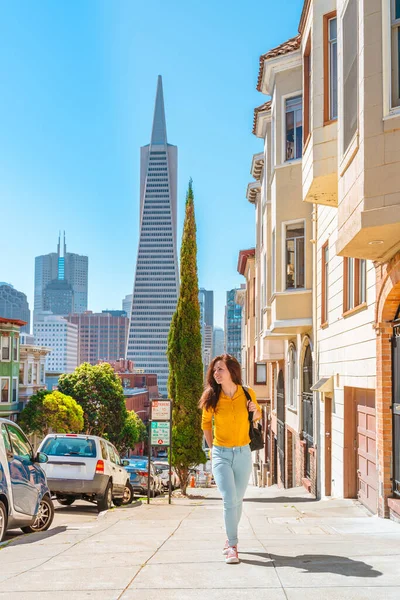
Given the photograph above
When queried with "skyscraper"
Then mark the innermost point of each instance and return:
(218, 341)
(127, 304)
(207, 298)
(156, 287)
(206, 301)
(14, 305)
(233, 325)
(61, 281)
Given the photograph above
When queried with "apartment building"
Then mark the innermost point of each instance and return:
(284, 267)
(254, 374)
(338, 381)
(32, 370)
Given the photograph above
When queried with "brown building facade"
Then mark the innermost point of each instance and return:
(101, 336)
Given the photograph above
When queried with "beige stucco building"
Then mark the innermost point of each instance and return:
(330, 334)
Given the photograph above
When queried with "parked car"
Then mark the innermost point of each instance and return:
(85, 467)
(139, 477)
(25, 500)
(164, 468)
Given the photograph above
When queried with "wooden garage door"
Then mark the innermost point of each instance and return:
(366, 456)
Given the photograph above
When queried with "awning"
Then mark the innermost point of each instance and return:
(325, 384)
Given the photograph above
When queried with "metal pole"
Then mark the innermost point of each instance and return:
(148, 463)
(170, 458)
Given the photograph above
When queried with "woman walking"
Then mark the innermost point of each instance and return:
(224, 400)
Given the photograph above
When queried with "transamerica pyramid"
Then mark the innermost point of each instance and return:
(156, 286)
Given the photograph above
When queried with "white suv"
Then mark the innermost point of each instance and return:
(86, 467)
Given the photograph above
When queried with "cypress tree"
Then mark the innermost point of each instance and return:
(185, 382)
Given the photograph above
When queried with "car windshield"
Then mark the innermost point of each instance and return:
(66, 446)
(162, 466)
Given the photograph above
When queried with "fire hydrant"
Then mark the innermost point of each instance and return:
(193, 481)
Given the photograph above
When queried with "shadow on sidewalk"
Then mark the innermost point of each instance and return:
(31, 538)
(315, 563)
(281, 500)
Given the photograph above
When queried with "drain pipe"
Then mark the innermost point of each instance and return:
(317, 412)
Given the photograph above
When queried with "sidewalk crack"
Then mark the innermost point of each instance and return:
(155, 552)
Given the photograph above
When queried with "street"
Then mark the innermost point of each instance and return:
(290, 546)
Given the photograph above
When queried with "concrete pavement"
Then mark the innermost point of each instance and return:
(290, 547)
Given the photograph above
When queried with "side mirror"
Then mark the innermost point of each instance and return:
(125, 462)
(41, 457)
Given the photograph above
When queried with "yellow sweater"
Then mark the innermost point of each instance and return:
(231, 420)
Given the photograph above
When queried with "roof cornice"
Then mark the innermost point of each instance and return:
(282, 50)
(304, 15)
(262, 114)
(278, 65)
(253, 188)
(257, 165)
(244, 255)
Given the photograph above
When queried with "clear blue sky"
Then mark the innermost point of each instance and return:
(78, 83)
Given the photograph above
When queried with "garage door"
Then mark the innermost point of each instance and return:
(366, 455)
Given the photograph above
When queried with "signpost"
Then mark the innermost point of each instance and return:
(160, 436)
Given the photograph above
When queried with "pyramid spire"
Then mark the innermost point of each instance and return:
(159, 131)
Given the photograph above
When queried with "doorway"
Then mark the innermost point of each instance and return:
(328, 446)
(280, 398)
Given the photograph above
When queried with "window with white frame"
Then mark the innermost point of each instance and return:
(295, 259)
(291, 376)
(293, 128)
(15, 348)
(395, 39)
(350, 72)
(30, 373)
(5, 341)
(260, 373)
(42, 375)
(14, 397)
(21, 373)
(332, 67)
(4, 389)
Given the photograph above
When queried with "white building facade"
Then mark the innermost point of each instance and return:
(57, 333)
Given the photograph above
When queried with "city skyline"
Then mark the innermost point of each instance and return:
(78, 147)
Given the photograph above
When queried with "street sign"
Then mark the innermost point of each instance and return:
(160, 433)
(160, 410)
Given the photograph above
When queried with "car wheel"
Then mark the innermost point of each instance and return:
(44, 517)
(127, 497)
(65, 500)
(128, 494)
(105, 502)
(3, 521)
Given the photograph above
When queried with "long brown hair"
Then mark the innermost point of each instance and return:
(210, 396)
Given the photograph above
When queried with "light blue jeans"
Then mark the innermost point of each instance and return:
(231, 469)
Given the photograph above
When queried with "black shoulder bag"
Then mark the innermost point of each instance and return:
(255, 431)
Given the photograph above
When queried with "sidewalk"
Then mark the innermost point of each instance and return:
(291, 547)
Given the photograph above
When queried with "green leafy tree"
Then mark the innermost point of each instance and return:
(51, 411)
(99, 392)
(185, 382)
(133, 431)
